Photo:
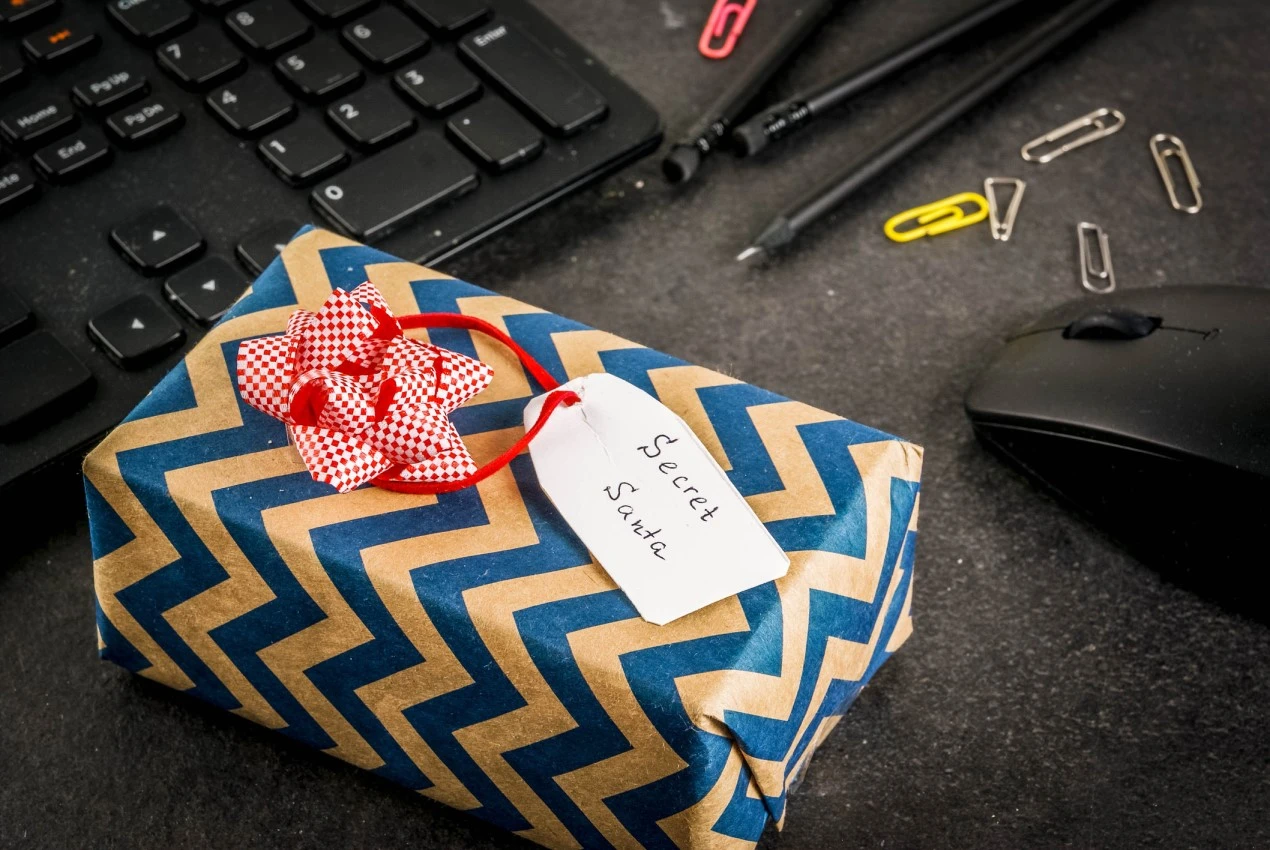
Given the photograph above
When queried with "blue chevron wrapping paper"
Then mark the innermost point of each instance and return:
(465, 645)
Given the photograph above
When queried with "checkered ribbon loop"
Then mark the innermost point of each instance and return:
(365, 403)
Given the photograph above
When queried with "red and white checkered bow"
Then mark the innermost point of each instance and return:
(360, 398)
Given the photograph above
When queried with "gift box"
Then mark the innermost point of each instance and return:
(464, 644)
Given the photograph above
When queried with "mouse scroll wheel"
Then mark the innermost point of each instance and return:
(1112, 324)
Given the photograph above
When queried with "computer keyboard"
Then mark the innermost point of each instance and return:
(156, 154)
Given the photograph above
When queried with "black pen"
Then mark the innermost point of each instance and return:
(776, 122)
(711, 132)
(782, 229)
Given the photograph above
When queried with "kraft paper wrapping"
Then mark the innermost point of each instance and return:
(465, 645)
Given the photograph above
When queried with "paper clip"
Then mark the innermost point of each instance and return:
(939, 217)
(729, 15)
(1102, 128)
(1178, 151)
(1103, 271)
(1002, 230)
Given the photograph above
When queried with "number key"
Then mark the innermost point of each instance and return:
(268, 27)
(251, 106)
(372, 119)
(319, 71)
(303, 152)
(385, 38)
(437, 85)
(200, 59)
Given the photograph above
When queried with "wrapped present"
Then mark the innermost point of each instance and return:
(458, 638)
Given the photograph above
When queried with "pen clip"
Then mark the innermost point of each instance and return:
(726, 15)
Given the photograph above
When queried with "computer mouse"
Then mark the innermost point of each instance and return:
(1148, 410)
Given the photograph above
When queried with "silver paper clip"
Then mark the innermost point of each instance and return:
(1104, 122)
(1003, 229)
(1175, 149)
(1089, 271)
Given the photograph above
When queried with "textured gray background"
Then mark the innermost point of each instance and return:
(1055, 692)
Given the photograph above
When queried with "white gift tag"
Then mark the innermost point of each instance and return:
(648, 500)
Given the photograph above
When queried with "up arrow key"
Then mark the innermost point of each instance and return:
(138, 325)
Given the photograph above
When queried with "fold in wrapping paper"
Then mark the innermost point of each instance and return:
(465, 645)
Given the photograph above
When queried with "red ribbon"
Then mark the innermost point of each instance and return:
(365, 403)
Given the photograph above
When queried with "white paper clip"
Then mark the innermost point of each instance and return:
(1104, 122)
(1091, 272)
(1002, 229)
(1164, 147)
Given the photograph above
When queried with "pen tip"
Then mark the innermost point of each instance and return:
(751, 251)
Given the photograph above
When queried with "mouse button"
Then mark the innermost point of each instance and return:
(1115, 324)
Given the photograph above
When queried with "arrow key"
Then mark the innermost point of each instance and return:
(258, 248)
(136, 332)
(157, 240)
(206, 290)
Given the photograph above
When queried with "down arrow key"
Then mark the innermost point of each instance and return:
(205, 290)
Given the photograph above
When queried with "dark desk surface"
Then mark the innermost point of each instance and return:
(1055, 692)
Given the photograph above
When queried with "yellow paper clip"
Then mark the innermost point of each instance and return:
(940, 217)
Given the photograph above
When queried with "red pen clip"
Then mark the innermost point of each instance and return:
(725, 13)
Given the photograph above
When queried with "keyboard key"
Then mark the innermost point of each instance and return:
(319, 71)
(23, 14)
(157, 240)
(13, 71)
(437, 85)
(136, 332)
(149, 21)
(73, 158)
(449, 16)
(17, 188)
(371, 119)
(303, 153)
(380, 194)
(206, 290)
(200, 59)
(331, 11)
(535, 78)
(144, 123)
(268, 27)
(385, 38)
(496, 134)
(37, 123)
(60, 44)
(259, 247)
(40, 378)
(252, 105)
(15, 317)
(104, 92)
(217, 4)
